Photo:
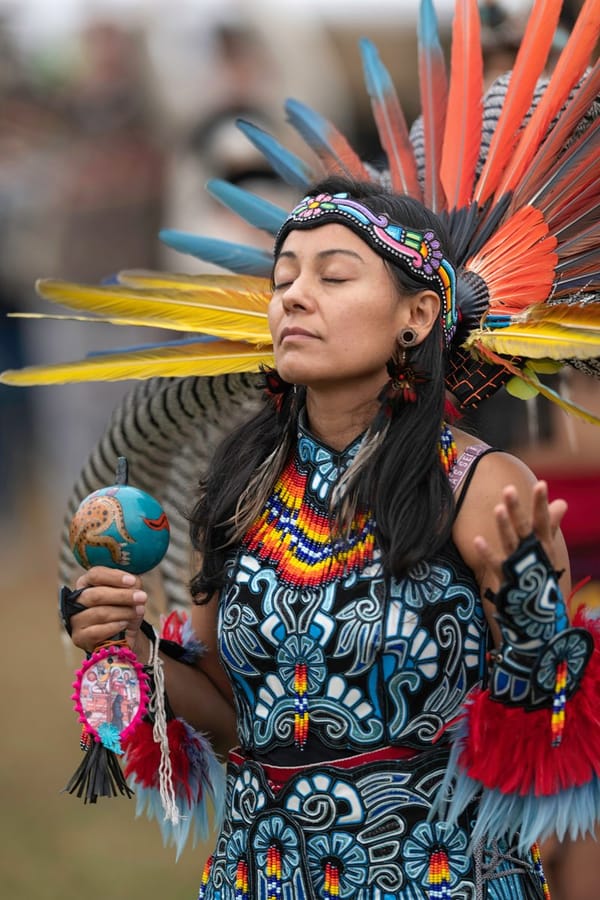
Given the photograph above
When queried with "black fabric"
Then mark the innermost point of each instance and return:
(69, 607)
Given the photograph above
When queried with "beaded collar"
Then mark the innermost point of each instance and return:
(294, 532)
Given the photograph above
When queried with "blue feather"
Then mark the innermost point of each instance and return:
(524, 817)
(240, 258)
(290, 167)
(309, 124)
(325, 140)
(427, 27)
(377, 78)
(252, 209)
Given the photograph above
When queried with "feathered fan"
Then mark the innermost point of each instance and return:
(513, 171)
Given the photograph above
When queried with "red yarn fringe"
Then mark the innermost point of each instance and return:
(510, 749)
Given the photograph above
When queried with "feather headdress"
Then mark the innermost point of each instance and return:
(513, 171)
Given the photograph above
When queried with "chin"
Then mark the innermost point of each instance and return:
(294, 374)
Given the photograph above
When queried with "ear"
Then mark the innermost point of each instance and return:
(421, 313)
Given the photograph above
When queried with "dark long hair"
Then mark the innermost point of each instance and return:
(401, 481)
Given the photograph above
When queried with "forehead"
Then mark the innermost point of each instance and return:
(324, 239)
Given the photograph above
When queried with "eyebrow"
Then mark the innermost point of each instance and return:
(322, 254)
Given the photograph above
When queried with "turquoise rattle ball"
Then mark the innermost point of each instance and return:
(120, 527)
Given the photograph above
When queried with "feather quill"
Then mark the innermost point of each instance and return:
(567, 72)
(324, 139)
(433, 84)
(585, 240)
(254, 210)
(220, 311)
(391, 123)
(462, 135)
(553, 146)
(529, 65)
(290, 167)
(216, 358)
(235, 257)
(488, 355)
(573, 173)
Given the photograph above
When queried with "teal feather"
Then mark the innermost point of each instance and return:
(326, 141)
(240, 258)
(252, 209)
(288, 166)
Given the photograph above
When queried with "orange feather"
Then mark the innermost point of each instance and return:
(462, 135)
(567, 72)
(434, 99)
(518, 262)
(529, 65)
(391, 123)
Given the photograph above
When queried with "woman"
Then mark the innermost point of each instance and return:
(347, 562)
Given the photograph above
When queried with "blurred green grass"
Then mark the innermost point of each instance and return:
(54, 846)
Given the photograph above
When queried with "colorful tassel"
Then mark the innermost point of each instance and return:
(274, 873)
(447, 449)
(439, 875)
(241, 880)
(300, 705)
(539, 870)
(331, 884)
(205, 876)
(559, 702)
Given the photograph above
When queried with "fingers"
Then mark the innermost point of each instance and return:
(515, 520)
(114, 602)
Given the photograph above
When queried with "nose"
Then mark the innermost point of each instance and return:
(297, 296)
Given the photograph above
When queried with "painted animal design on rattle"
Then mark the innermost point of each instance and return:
(89, 528)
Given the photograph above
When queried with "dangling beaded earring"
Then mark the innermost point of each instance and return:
(275, 388)
(404, 378)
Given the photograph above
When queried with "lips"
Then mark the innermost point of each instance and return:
(295, 333)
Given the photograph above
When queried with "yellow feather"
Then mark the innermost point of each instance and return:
(145, 278)
(584, 315)
(215, 358)
(539, 340)
(227, 313)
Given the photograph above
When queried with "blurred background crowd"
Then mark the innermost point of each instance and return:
(113, 115)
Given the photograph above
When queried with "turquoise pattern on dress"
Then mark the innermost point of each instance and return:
(389, 663)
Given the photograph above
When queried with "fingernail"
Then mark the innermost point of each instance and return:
(128, 579)
(140, 596)
(140, 610)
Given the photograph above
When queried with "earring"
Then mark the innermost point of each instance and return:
(407, 337)
(403, 378)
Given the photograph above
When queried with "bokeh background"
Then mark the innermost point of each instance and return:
(113, 114)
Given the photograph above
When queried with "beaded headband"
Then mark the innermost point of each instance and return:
(419, 251)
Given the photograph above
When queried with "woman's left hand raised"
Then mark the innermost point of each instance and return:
(516, 519)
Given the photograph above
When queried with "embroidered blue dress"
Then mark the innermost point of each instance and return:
(343, 679)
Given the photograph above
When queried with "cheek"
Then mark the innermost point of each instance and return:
(273, 314)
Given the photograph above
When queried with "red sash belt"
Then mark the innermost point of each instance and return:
(279, 775)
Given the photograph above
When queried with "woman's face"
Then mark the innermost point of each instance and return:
(335, 311)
